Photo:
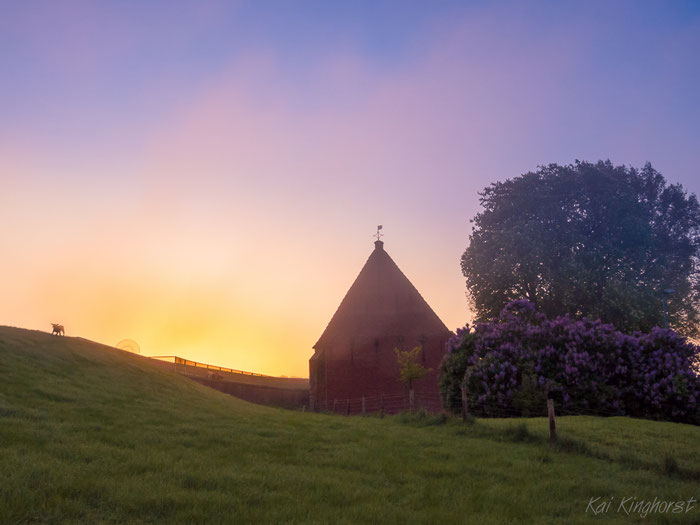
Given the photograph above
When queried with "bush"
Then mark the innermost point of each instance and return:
(511, 366)
(452, 370)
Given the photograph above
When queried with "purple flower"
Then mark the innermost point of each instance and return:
(588, 362)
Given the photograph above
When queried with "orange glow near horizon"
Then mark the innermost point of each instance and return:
(259, 312)
(202, 286)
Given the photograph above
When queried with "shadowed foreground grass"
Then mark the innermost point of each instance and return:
(92, 434)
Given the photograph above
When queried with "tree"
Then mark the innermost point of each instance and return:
(592, 240)
(409, 367)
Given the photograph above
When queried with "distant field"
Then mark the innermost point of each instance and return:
(92, 434)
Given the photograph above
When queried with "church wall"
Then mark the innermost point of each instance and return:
(371, 370)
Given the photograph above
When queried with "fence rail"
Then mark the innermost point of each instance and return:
(181, 361)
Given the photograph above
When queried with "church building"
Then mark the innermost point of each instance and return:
(354, 367)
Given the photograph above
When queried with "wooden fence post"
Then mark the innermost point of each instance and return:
(381, 406)
(347, 407)
(363, 405)
(411, 400)
(465, 403)
(552, 423)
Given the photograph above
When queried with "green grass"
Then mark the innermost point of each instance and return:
(92, 434)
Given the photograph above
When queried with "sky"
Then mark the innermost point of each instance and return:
(205, 177)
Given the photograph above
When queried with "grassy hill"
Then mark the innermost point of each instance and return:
(92, 434)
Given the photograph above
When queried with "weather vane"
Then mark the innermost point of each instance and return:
(379, 234)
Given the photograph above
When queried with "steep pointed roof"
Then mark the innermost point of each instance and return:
(381, 302)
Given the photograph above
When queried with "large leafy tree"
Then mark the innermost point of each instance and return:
(592, 240)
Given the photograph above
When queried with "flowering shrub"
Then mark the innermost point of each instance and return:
(512, 365)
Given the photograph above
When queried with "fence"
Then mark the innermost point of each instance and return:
(384, 403)
(411, 401)
(396, 403)
(492, 409)
(181, 361)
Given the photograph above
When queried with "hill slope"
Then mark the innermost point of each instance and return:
(90, 433)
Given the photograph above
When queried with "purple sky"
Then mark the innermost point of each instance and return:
(205, 177)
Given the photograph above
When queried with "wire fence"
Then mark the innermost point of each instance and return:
(432, 402)
(391, 403)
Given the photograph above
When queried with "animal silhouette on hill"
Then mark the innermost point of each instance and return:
(58, 329)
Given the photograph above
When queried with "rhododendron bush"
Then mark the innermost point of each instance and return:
(511, 366)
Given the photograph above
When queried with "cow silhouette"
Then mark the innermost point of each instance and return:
(58, 329)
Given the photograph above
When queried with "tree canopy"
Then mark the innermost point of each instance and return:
(592, 240)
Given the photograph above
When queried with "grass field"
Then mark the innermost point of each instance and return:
(92, 434)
